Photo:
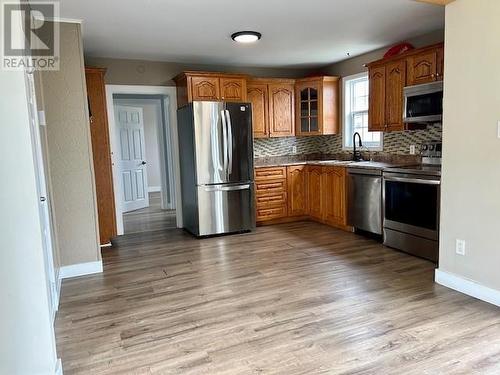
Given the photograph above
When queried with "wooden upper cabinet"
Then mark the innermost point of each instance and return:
(422, 68)
(257, 95)
(376, 112)
(101, 153)
(395, 83)
(233, 89)
(334, 196)
(208, 86)
(204, 88)
(440, 63)
(317, 106)
(314, 181)
(388, 77)
(281, 109)
(297, 190)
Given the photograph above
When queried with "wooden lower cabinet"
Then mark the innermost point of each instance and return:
(314, 180)
(297, 190)
(333, 195)
(303, 191)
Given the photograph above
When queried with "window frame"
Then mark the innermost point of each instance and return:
(345, 81)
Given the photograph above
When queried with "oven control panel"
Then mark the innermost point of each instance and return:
(431, 152)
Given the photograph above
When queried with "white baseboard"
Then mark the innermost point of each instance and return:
(59, 369)
(109, 244)
(80, 269)
(154, 189)
(468, 287)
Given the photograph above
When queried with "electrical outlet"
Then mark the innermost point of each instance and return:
(413, 150)
(294, 149)
(460, 247)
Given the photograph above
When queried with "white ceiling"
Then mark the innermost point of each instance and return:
(295, 33)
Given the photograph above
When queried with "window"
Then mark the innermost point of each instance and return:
(356, 113)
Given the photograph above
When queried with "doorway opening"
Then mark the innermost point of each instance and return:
(144, 162)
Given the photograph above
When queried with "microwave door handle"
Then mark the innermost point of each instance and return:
(230, 142)
(224, 141)
(413, 180)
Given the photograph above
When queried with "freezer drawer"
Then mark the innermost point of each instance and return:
(225, 209)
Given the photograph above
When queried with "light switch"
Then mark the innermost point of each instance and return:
(498, 129)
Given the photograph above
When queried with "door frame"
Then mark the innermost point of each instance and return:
(39, 156)
(169, 126)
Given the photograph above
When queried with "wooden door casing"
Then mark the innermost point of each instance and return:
(297, 190)
(314, 181)
(205, 88)
(395, 83)
(334, 196)
(101, 153)
(376, 112)
(422, 68)
(281, 110)
(233, 89)
(257, 95)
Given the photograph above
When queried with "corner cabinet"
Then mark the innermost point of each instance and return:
(389, 77)
(317, 106)
(273, 103)
(208, 86)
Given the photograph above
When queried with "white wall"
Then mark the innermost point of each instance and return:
(470, 204)
(26, 333)
(152, 117)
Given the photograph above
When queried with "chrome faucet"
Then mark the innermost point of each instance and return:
(356, 154)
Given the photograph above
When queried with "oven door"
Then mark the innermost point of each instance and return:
(411, 204)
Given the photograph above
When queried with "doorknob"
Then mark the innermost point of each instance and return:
(143, 162)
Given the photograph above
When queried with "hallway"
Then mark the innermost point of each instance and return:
(149, 219)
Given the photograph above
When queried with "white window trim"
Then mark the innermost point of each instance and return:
(344, 81)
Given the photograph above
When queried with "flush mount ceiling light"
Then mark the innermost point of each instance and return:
(246, 36)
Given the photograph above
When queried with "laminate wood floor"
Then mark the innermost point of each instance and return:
(298, 298)
(149, 219)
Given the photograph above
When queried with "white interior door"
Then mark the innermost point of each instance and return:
(132, 158)
(44, 209)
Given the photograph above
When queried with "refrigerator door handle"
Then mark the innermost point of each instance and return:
(216, 146)
(230, 141)
(227, 188)
(224, 140)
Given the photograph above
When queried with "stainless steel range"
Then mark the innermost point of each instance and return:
(411, 197)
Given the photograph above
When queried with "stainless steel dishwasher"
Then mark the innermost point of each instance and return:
(365, 199)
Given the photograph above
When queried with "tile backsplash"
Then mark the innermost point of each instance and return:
(397, 143)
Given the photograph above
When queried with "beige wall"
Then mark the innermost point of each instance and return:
(27, 344)
(64, 99)
(139, 72)
(471, 162)
(355, 64)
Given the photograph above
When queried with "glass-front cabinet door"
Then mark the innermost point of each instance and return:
(309, 121)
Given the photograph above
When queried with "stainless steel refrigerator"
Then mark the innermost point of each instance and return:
(216, 161)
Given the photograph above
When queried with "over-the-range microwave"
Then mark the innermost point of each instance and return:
(423, 103)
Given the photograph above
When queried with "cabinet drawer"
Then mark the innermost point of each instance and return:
(275, 173)
(270, 187)
(272, 200)
(264, 214)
